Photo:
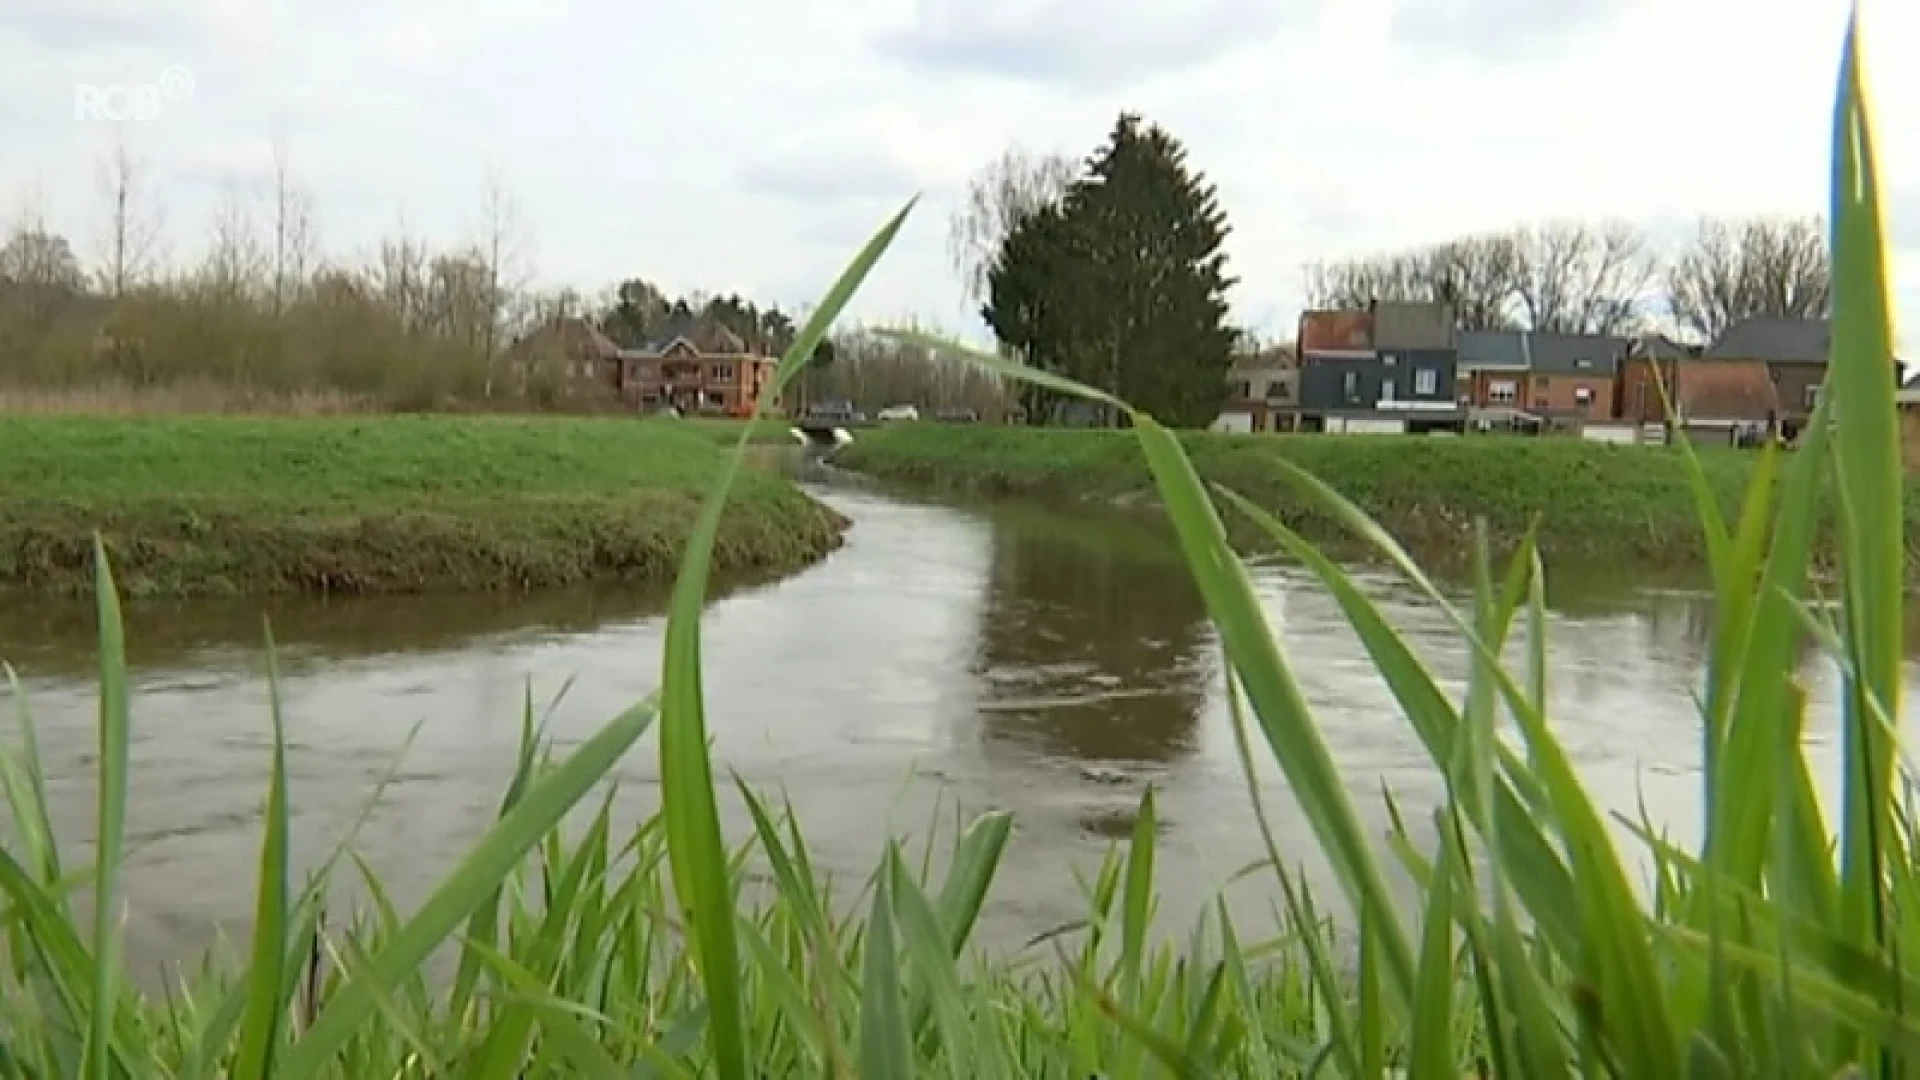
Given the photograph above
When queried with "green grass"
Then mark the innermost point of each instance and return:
(766, 431)
(377, 504)
(1775, 947)
(1597, 502)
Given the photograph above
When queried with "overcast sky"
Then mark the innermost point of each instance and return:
(753, 145)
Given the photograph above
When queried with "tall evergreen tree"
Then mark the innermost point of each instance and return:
(1124, 285)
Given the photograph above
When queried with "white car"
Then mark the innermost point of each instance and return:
(899, 412)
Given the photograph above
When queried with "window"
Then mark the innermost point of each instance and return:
(1583, 395)
(1350, 385)
(1540, 382)
(1390, 359)
(1502, 392)
(1813, 395)
(1426, 381)
(723, 371)
(1242, 389)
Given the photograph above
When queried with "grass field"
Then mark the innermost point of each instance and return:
(1596, 501)
(381, 503)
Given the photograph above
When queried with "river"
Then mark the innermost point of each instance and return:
(1005, 657)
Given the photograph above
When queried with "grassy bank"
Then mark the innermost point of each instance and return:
(1598, 501)
(377, 504)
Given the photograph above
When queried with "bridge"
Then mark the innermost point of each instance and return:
(818, 430)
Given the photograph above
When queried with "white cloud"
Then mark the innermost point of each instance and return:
(754, 145)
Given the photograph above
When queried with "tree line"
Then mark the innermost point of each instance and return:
(262, 314)
(1603, 277)
(1111, 271)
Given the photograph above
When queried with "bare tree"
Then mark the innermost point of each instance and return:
(1476, 275)
(399, 276)
(997, 198)
(1740, 268)
(293, 239)
(133, 221)
(1355, 283)
(1479, 277)
(503, 252)
(234, 262)
(1579, 278)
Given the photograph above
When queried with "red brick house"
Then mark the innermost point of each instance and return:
(691, 366)
(1710, 393)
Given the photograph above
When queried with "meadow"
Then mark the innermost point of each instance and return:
(1775, 947)
(243, 504)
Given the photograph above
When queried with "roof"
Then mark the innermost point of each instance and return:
(1491, 349)
(1573, 354)
(574, 333)
(1544, 352)
(1660, 347)
(708, 338)
(1413, 325)
(1278, 358)
(1778, 340)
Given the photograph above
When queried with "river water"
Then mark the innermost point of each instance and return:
(1008, 657)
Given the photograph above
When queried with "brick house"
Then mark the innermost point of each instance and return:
(1794, 352)
(1536, 377)
(691, 366)
(1708, 393)
(695, 367)
(572, 350)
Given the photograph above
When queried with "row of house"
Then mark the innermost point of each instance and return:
(692, 365)
(1407, 368)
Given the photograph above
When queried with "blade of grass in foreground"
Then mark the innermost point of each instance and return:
(260, 1031)
(696, 852)
(1867, 452)
(111, 831)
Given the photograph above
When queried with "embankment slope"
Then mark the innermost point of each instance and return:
(1598, 501)
(236, 505)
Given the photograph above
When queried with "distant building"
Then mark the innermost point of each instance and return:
(1794, 352)
(1263, 392)
(1390, 368)
(1533, 379)
(694, 367)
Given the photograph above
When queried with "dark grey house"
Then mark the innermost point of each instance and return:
(1410, 379)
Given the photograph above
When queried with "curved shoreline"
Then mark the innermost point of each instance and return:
(242, 506)
(1597, 502)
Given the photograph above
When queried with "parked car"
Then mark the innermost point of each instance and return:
(837, 412)
(899, 412)
(957, 416)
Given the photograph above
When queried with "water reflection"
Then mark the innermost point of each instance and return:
(57, 637)
(1092, 645)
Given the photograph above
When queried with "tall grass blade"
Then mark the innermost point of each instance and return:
(1861, 379)
(886, 1047)
(266, 974)
(111, 830)
(695, 849)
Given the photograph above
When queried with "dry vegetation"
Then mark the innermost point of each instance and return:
(261, 319)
